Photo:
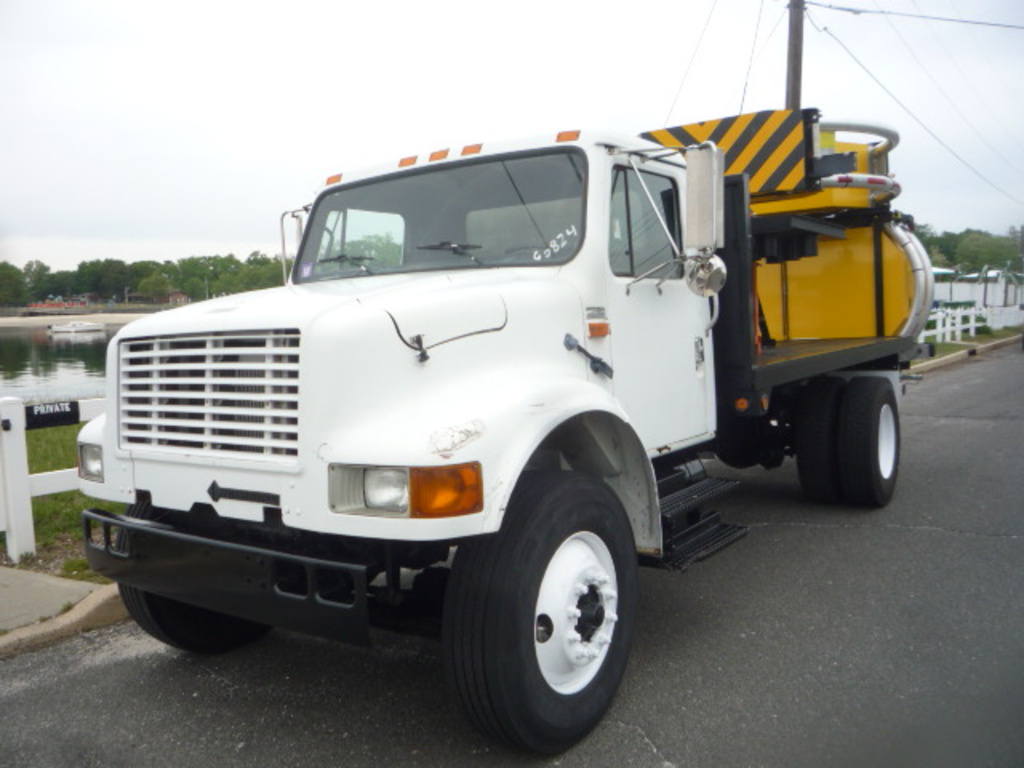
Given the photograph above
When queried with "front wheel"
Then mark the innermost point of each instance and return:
(178, 624)
(539, 618)
(188, 627)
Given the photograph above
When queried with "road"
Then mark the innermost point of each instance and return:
(828, 637)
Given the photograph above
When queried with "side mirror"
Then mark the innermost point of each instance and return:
(705, 276)
(703, 271)
(705, 219)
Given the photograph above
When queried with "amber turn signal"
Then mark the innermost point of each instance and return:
(447, 491)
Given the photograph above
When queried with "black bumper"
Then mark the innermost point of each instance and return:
(318, 597)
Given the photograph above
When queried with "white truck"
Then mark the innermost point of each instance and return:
(483, 398)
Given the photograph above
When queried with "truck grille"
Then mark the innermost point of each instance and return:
(220, 394)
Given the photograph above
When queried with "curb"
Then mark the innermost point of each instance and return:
(939, 362)
(99, 609)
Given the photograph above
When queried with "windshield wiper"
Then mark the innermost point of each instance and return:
(354, 258)
(459, 249)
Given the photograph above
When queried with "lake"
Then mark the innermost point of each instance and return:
(38, 367)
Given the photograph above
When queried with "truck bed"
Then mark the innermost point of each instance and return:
(745, 373)
(799, 359)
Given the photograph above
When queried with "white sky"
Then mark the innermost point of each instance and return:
(134, 130)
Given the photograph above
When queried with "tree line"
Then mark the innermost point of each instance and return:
(200, 277)
(972, 250)
(107, 280)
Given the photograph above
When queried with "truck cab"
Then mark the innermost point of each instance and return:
(425, 326)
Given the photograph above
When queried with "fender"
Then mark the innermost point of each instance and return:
(509, 424)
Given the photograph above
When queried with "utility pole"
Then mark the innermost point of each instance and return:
(795, 57)
(794, 76)
(1020, 240)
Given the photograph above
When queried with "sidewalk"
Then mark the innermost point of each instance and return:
(970, 350)
(40, 609)
(32, 605)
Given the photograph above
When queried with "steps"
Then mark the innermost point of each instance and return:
(690, 532)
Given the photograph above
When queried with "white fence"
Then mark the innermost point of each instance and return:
(17, 486)
(1001, 289)
(953, 323)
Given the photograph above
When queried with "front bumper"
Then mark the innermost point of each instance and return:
(310, 595)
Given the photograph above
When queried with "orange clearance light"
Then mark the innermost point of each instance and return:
(472, 149)
(568, 136)
(742, 404)
(446, 491)
(598, 329)
(405, 162)
(441, 154)
(333, 179)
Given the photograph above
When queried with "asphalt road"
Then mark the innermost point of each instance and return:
(828, 637)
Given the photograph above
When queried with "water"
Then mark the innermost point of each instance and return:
(38, 367)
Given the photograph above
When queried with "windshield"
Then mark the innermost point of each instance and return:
(520, 210)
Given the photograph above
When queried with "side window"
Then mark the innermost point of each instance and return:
(636, 240)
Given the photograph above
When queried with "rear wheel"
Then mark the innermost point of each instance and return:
(815, 440)
(869, 445)
(539, 618)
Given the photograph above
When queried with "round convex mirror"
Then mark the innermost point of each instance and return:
(705, 276)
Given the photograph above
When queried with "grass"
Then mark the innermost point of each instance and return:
(944, 348)
(56, 516)
(1004, 333)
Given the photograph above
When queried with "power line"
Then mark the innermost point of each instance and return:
(750, 62)
(859, 11)
(690, 64)
(952, 59)
(997, 75)
(949, 100)
(739, 91)
(916, 119)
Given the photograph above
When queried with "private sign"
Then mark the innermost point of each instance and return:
(44, 415)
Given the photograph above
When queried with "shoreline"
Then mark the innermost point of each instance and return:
(42, 321)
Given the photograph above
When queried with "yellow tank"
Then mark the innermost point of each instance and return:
(873, 282)
(832, 295)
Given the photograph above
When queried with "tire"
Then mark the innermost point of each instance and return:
(815, 440)
(178, 624)
(539, 618)
(869, 441)
(187, 626)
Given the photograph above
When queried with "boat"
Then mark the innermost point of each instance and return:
(76, 326)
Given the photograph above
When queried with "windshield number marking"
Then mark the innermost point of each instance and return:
(557, 243)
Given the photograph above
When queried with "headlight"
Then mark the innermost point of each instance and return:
(386, 489)
(90, 462)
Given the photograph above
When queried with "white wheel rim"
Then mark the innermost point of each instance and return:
(887, 441)
(576, 613)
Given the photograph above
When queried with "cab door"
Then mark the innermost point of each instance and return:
(660, 342)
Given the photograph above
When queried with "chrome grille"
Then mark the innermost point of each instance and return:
(221, 394)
